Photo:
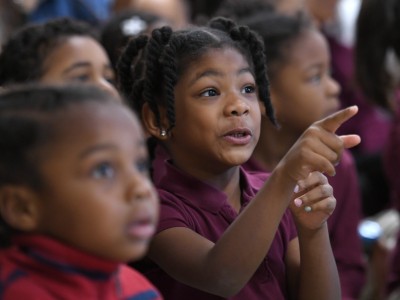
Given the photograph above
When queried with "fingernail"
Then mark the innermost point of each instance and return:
(307, 208)
(298, 202)
(296, 188)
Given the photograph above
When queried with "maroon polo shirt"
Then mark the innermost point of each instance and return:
(188, 202)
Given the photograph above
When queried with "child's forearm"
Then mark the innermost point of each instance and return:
(241, 249)
(318, 278)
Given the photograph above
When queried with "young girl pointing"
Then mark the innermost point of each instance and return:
(223, 231)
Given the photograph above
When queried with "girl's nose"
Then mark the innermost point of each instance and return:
(107, 86)
(236, 106)
(333, 87)
(140, 187)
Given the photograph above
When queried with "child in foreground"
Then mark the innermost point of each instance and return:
(223, 231)
(76, 201)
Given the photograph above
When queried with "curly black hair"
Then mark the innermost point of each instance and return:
(23, 54)
(149, 68)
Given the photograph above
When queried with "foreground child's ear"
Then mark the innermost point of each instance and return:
(19, 208)
(157, 129)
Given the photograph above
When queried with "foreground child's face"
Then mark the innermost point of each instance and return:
(217, 113)
(98, 196)
(80, 59)
(302, 89)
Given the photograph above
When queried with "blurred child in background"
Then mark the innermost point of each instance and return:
(302, 92)
(56, 52)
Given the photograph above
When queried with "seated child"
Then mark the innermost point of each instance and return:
(76, 201)
(57, 51)
(302, 92)
(223, 231)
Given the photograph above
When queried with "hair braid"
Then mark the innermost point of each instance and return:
(222, 23)
(126, 73)
(256, 48)
(170, 79)
(135, 99)
(154, 68)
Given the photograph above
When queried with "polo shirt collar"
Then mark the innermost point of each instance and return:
(196, 192)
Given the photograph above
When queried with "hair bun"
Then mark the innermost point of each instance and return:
(222, 23)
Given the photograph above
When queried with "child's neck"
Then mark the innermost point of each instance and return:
(227, 182)
(272, 146)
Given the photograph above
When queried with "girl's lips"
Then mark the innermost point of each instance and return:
(238, 136)
(142, 229)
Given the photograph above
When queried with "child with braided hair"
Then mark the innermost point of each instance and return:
(225, 232)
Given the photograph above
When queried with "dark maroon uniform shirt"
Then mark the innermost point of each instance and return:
(190, 203)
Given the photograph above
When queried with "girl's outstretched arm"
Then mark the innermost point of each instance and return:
(225, 267)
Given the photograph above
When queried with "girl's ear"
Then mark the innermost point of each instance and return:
(159, 131)
(19, 208)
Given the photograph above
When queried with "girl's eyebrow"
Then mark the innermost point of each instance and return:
(76, 65)
(314, 66)
(106, 147)
(97, 148)
(216, 73)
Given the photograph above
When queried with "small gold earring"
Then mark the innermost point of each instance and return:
(163, 132)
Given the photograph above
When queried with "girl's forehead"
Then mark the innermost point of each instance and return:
(87, 113)
(303, 39)
(223, 63)
(92, 120)
(215, 54)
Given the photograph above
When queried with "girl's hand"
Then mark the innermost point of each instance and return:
(313, 201)
(319, 148)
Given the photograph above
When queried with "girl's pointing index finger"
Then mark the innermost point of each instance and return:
(334, 121)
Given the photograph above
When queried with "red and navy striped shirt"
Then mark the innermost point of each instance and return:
(38, 267)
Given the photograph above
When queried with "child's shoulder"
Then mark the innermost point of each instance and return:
(15, 282)
(134, 284)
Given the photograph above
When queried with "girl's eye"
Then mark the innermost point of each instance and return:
(143, 165)
(81, 78)
(109, 76)
(103, 170)
(248, 89)
(209, 93)
(315, 79)
(110, 80)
